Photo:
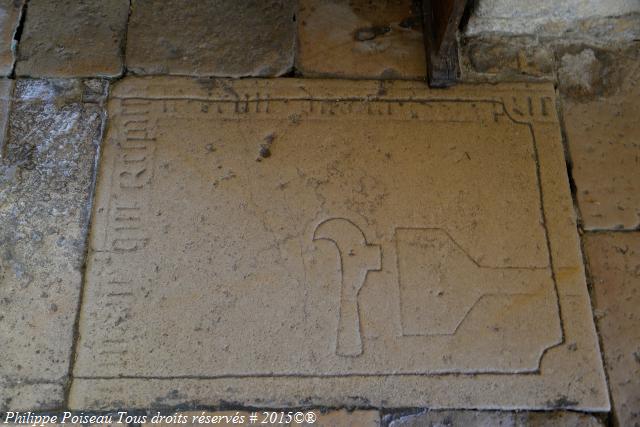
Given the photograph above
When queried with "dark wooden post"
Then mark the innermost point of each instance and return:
(441, 20)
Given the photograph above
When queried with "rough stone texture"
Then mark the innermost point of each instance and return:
(579, 74)
(211, 37)
(558, 419)
(360, 39)
(341, 418)
(459, 418)
(234, 199)
(505, 58)
(73, 38)
(614, 263)
(6, 90)
(10, 12)
(345, 418)
(45, 181)
(200, 418)
(601, 110)
(526, 17)
(463, 418)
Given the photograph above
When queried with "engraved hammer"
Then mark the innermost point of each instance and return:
(357, 257)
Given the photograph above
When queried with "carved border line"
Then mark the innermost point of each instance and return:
(501, 104)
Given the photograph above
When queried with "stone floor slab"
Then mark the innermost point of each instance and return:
(46, 176)
(72, 38)
(496, 419)
(360, 39)
(614, 263)
(211, 37)
(306, 417)
(10, 13)
(604, 141)
(314, 231)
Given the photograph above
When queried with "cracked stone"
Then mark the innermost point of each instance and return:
(614, 263)
(72, 38)
(46, 176)
(211, 37)
(360, 39)
(603, 136)
(10, 12)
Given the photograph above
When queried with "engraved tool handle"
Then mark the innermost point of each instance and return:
(357, 257)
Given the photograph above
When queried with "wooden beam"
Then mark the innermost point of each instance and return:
(441, 19)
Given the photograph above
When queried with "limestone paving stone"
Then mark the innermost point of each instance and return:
(199, 418)
(614, 263)
(543, 17)
(306, 417)
(495, 58)
(342, 418)
(46, 175)
(211, 37)
(360, 39)
(463, 418)
(335, 243)
(603, 135)
(10, 13)
(73, 38)
(6, 90)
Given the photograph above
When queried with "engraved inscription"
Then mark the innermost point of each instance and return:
(133, 171)
(307, 243)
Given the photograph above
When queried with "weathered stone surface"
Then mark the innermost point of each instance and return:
(524, 17)
(200, 418)
(360, 39)
(603, 135)
(314, 232)
(557, 419)
(45, 184)
(211, 37)
(6, 90)
(10, 12)
(307, 417)
(344, 418)
(505, 58)
(614, 263)
(459, 418)
(579, 74)
(463, 418)
(72, 38)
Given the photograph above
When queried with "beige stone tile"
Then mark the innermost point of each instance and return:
(461, 418)
(6, 90)
(24, 395)
(307, 417)
(211, 37)
(10, 12)
(46, 176)
(342, 418)
(72, 38)
(558, 419)
(64, 418)
(201, 418)
(503, 58)
(314, 230)
(614, 263)
(360, 39)
(603, 135)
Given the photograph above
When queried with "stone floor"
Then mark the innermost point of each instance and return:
(84, 326)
